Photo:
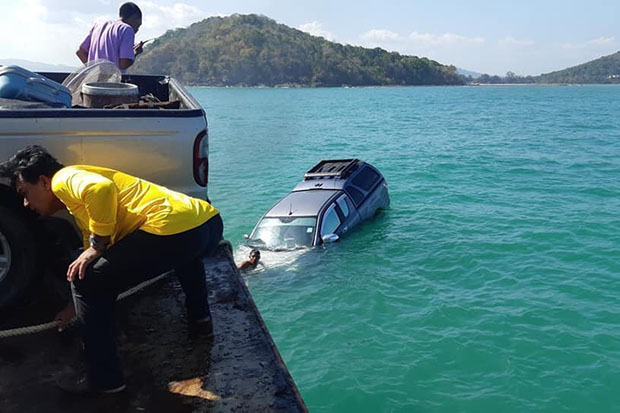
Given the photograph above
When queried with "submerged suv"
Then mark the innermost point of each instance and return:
(334, 196)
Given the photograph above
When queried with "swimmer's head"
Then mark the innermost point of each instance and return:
(254, 256)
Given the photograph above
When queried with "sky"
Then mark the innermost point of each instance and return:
(525, 37)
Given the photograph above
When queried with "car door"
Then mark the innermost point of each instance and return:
(339, 217)
(330, 222)
(347, 213)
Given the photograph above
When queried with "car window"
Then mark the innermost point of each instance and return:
(355, 193)
(366, 179)
(331, 222)
(344, 207)
(279, 233)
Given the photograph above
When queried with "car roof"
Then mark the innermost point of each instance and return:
(327, 183)
(333, 174)
(301, 203)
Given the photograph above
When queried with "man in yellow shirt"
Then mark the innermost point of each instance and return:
(133, 230)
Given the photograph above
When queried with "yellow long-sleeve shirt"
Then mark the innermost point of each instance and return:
(111, 203)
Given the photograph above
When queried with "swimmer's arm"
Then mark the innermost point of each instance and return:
(244, 265)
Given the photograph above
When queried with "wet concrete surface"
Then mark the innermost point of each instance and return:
(239, 370)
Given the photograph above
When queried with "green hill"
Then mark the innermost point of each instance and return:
(252, 50)
(603, 70)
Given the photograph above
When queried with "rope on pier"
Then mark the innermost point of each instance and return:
(22, 331)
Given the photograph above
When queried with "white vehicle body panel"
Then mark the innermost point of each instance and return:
(153, 144)
(156, 149)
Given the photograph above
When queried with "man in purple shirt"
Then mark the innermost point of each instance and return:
(114, 40)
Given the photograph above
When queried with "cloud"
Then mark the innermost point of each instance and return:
(176, 15)
(416, 41)
(447, 47)
(445, 39)
(380, 35)
(602, 41)
(316, 29)
(50, 30)
(36, 35)
(31, 12)
(511, 41)
(493, 56)
(527, 57)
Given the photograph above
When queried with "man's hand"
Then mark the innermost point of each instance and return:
(65, 316)
(137, 49)
(77, 269)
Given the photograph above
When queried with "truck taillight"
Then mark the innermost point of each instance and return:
(201, 159)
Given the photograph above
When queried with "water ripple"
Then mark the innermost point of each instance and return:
(490, 284)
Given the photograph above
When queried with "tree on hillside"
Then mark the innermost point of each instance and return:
(255, 50)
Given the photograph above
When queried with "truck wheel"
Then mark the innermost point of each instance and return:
(18, 256)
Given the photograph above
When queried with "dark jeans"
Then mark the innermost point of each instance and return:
(134, 259)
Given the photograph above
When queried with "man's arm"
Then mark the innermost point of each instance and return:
(82, 51)
(125, 63)
(97, 194)
(99, 197)
(126, 48)
(82, 55)
(98, 245)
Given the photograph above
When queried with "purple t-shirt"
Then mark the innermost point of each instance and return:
(111, 40)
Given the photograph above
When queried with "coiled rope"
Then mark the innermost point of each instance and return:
(21, 331)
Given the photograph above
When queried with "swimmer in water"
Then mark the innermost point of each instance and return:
(251, 263)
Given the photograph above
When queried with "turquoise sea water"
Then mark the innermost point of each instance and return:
(492, 282)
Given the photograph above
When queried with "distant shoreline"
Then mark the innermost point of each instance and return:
(544, 84)
(399, 86)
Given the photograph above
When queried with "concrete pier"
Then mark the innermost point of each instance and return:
(239, 370)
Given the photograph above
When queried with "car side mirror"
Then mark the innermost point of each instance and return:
(246, 236)
(330, 238)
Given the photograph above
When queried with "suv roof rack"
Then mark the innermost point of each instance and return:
(338, 168)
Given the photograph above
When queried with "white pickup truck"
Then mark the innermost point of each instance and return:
(165, 146)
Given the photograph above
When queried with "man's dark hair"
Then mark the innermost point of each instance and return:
(129, 10)
(30, 162)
